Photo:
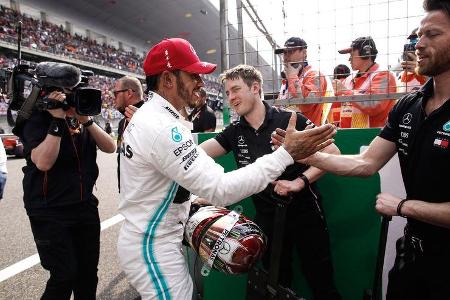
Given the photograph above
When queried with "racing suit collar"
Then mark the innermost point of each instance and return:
(167, 106)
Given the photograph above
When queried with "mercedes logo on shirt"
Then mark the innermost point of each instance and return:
(407, 118)
(241, 140)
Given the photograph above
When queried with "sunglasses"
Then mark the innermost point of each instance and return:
(119, 91)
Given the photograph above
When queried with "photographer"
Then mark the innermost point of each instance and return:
(410, 80)
(60, 150)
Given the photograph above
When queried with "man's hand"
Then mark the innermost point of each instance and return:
(301, 144)
(284, 187)
(129, 112)
(292, 69)
(387, 204)
(410, 64)
(57, 112)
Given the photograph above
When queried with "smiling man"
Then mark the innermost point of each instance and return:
(161, 165)
(305, 226)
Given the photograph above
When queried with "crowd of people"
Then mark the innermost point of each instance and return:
(48, 37)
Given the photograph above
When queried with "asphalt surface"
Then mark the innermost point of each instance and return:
(16, 240)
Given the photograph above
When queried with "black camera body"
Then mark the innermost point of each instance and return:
(408, 48)
(34, 85)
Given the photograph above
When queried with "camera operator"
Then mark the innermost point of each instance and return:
(60, 150)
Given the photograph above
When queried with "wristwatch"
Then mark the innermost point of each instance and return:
(88, 123)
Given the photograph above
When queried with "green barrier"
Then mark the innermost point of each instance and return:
(352, 221)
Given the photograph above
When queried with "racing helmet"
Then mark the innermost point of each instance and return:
(224, 240)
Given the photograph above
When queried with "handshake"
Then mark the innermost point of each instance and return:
(302, 144)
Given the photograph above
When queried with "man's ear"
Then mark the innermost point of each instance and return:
(256, 87)
(167, 79)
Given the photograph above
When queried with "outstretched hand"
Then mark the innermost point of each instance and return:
(301, 144)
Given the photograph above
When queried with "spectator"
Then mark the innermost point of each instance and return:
(305, 225)
(202, 116)
(161, 164)
(58, 181)
(301, 79)
(108, 128)
(409, 79)
(368, 80)
(340, 72)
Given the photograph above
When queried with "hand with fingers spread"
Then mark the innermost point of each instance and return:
(301, 144)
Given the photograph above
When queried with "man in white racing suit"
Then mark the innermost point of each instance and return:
(161, 165)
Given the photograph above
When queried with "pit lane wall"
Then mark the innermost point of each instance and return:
(352, 221)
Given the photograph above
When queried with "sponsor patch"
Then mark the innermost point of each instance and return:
(176, 136)
(441, 143)
(446, 126)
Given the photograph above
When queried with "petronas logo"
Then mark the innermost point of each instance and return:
(176, 136)
(446, 126)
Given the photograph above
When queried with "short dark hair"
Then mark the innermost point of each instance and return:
(341, 71)
(432, 5)
(152, 81)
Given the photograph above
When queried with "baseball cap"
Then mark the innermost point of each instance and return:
(359, 44)
(293, 42)
(175, 54)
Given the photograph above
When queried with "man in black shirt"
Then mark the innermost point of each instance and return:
(249, 139)
(128, 97)
(58, 180)
(418, 129)
(202, 116)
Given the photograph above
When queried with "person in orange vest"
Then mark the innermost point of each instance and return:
(340, 72)
(369, 80)
(301, 80)
(409, 80)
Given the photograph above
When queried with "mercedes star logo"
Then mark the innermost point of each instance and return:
(241, 140)
(407, 118)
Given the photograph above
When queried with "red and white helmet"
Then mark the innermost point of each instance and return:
(225, 240)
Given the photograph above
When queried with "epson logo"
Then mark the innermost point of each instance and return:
(183, 147)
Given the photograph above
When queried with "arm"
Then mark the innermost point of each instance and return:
(213, 148)
(434, 213)
(283, 187)
(45, 154)
(103, 140)
(365, 164)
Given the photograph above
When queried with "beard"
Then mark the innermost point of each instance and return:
(183, 93)
(437, 64)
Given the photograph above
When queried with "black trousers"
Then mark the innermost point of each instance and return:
(70, 251)
(307, 233)
(419, 275)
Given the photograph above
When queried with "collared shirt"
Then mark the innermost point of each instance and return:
(248, 144)
(424, 152)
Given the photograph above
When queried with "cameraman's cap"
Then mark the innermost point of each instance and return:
(359, 44)
(292, 43)
(175, 54)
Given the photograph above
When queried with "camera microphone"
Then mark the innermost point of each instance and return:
(58, 74)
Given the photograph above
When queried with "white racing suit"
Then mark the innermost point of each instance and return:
(159, 163)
